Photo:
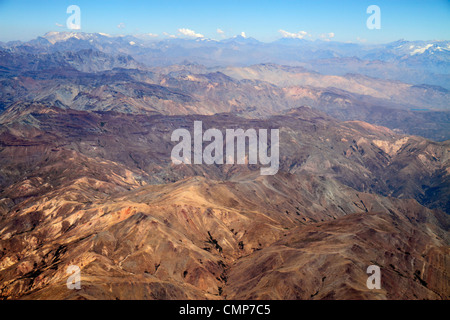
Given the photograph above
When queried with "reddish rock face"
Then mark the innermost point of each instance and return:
(98, 190)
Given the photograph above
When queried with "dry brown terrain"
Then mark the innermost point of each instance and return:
(98, 190)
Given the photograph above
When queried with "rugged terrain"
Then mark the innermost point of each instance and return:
(402, 85)
(98, 190)
(86, 176)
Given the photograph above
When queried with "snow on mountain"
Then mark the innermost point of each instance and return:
(54, 36)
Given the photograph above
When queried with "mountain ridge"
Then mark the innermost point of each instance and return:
(140, 228)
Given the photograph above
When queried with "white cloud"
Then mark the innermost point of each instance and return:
(169, 35)
(298, 35)
(190, 33)
(121, 25)
(326, 36)
(59, 25)
(243, 34)
(220, 31)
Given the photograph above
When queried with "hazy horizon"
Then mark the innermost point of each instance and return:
(266, 21)
(159, 38)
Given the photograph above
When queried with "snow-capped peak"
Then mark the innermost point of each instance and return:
(421, 50)
(54, 37)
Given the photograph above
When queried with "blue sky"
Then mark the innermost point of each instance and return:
(339, 20)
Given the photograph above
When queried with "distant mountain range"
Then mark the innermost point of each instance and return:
(415, 62)
(127, 74)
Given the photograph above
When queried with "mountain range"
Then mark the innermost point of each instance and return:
(100, 72)
(86, 176)
(98, 190)
(416, 62)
